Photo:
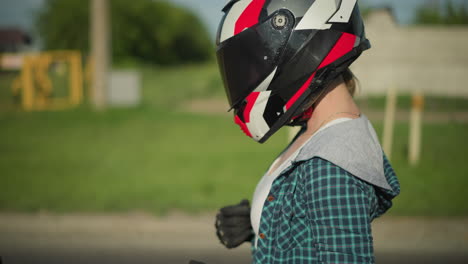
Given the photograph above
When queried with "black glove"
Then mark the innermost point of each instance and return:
(233, 224)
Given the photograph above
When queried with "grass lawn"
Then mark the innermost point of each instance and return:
(126, 159)
(154, 159)
(431, 103)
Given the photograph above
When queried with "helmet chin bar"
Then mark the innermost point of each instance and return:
(250, 118)
(254, 124)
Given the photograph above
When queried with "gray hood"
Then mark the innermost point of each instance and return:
(352, 145)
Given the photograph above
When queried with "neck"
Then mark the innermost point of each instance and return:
(337, 103)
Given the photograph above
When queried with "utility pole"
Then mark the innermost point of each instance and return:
(100, 53)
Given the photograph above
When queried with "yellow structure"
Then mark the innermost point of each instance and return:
(34, 84)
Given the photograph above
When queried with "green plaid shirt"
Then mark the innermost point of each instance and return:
(319, 213)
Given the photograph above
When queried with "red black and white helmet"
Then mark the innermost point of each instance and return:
(275, 56)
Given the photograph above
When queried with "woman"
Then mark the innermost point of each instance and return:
(287, 63)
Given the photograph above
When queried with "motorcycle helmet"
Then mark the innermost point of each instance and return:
(277, 56)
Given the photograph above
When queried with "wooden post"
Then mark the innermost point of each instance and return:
(100, 51)
(414, 150)
(389, 121)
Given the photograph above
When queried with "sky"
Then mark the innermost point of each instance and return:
(210, 10)
(20, 13)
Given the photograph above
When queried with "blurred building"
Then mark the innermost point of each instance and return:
(13, 40)
(433, 59)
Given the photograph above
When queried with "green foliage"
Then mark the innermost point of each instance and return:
(64, 24)
(143, 30)
(365, 11)
(450, 15)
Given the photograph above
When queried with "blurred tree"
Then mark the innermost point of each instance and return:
(365, 11)
(434, 14)
(145, 30)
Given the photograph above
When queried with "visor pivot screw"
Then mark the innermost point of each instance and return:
(265, 58)
(280, 21)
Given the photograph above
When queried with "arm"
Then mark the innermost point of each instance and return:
(338, 208)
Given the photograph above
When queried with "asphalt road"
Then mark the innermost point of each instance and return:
(139, 238)
(133, 256)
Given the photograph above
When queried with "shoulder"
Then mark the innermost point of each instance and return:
(320, 174)
(321, 180)
(353, 146)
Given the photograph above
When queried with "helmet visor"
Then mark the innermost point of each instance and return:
(247, 59)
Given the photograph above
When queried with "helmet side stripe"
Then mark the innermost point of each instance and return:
(299, 92)
(254, 125)
(228, 27)
(258, 126)
(344, 12)
(344, 45)
(242, 125)
(250, 103)
(266, 83)
(250, 16)
(318, 15)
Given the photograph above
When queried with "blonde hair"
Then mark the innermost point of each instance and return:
(351, 81)
(347, 77)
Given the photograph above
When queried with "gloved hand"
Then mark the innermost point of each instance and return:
(233, 224)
